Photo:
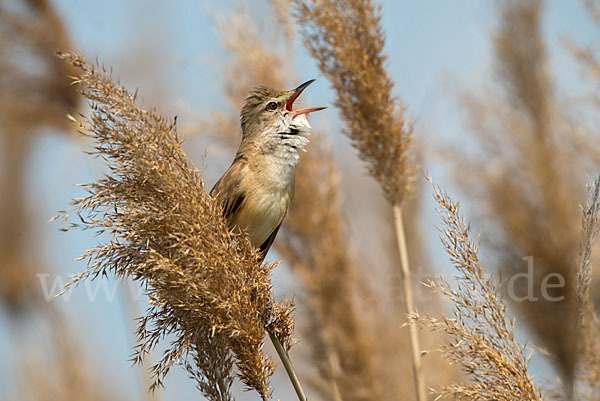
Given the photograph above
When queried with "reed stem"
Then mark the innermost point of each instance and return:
(409, 307)
(334, 363)
(287, 364)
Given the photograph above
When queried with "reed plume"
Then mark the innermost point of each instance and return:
(206, 287)
(353, 61)
(482, 334)
(374, 120)
(31, 98)
(252, 63)
(64, 373)
(314, 243)
(312, 240)
(525, 182)
(34, 94)
(588, 363)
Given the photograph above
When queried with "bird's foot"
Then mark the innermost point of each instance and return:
(268, 315)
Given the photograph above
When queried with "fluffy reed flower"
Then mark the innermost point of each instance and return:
(525, 182)
(353, 61)
(312, 239)
(252, 63)
(589, 228)
(205, 285)
(483, 336)
(35, 88)
(588, 364)
(34, 94)
(346, 39)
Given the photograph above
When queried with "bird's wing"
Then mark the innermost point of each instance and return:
(229, 193)
(264, 247)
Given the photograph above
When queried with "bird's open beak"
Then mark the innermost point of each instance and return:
(297, 92)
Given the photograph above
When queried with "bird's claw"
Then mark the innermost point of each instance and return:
(269, 316)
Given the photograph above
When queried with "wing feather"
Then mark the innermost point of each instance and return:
(229, 193)
(265, 246)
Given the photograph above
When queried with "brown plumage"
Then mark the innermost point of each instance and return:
(257, 189)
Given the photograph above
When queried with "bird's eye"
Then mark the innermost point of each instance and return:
(271, 106)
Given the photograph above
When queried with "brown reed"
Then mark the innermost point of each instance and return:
(205, 284)
(588, 363)
(524, 180)
(353, 61)
(312, 239)
(482, 334)
(34, 94)
(375, 121)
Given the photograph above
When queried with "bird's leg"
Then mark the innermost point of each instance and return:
(268, 316)
(266, 313)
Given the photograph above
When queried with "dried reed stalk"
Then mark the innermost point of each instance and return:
(483, 337)
(586, 132)
(206, 286)
(312, 238)
(252, 63)
(353, 61)
(34, 94)
(261, 66)
(525, 182)
(64, 373)
(314, 243)
(588, 367)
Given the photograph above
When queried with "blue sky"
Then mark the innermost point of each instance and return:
(435, 49)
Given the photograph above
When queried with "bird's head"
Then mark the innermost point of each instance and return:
(269, 112)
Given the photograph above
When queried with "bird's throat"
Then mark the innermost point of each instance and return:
(288, 139)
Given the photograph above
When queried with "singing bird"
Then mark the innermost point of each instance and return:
(257, 189)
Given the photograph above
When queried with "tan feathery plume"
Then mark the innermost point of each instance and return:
(588, 367)
(34, 94)
(314, 243)
(353, 61)
(483, 337)
(30, 99)
(524, 179)
(346, 39)
(252, 64)
(312, 239)
(205, 285)
(64, 373)
(589, 228)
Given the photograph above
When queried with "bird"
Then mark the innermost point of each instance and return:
(256, 190)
